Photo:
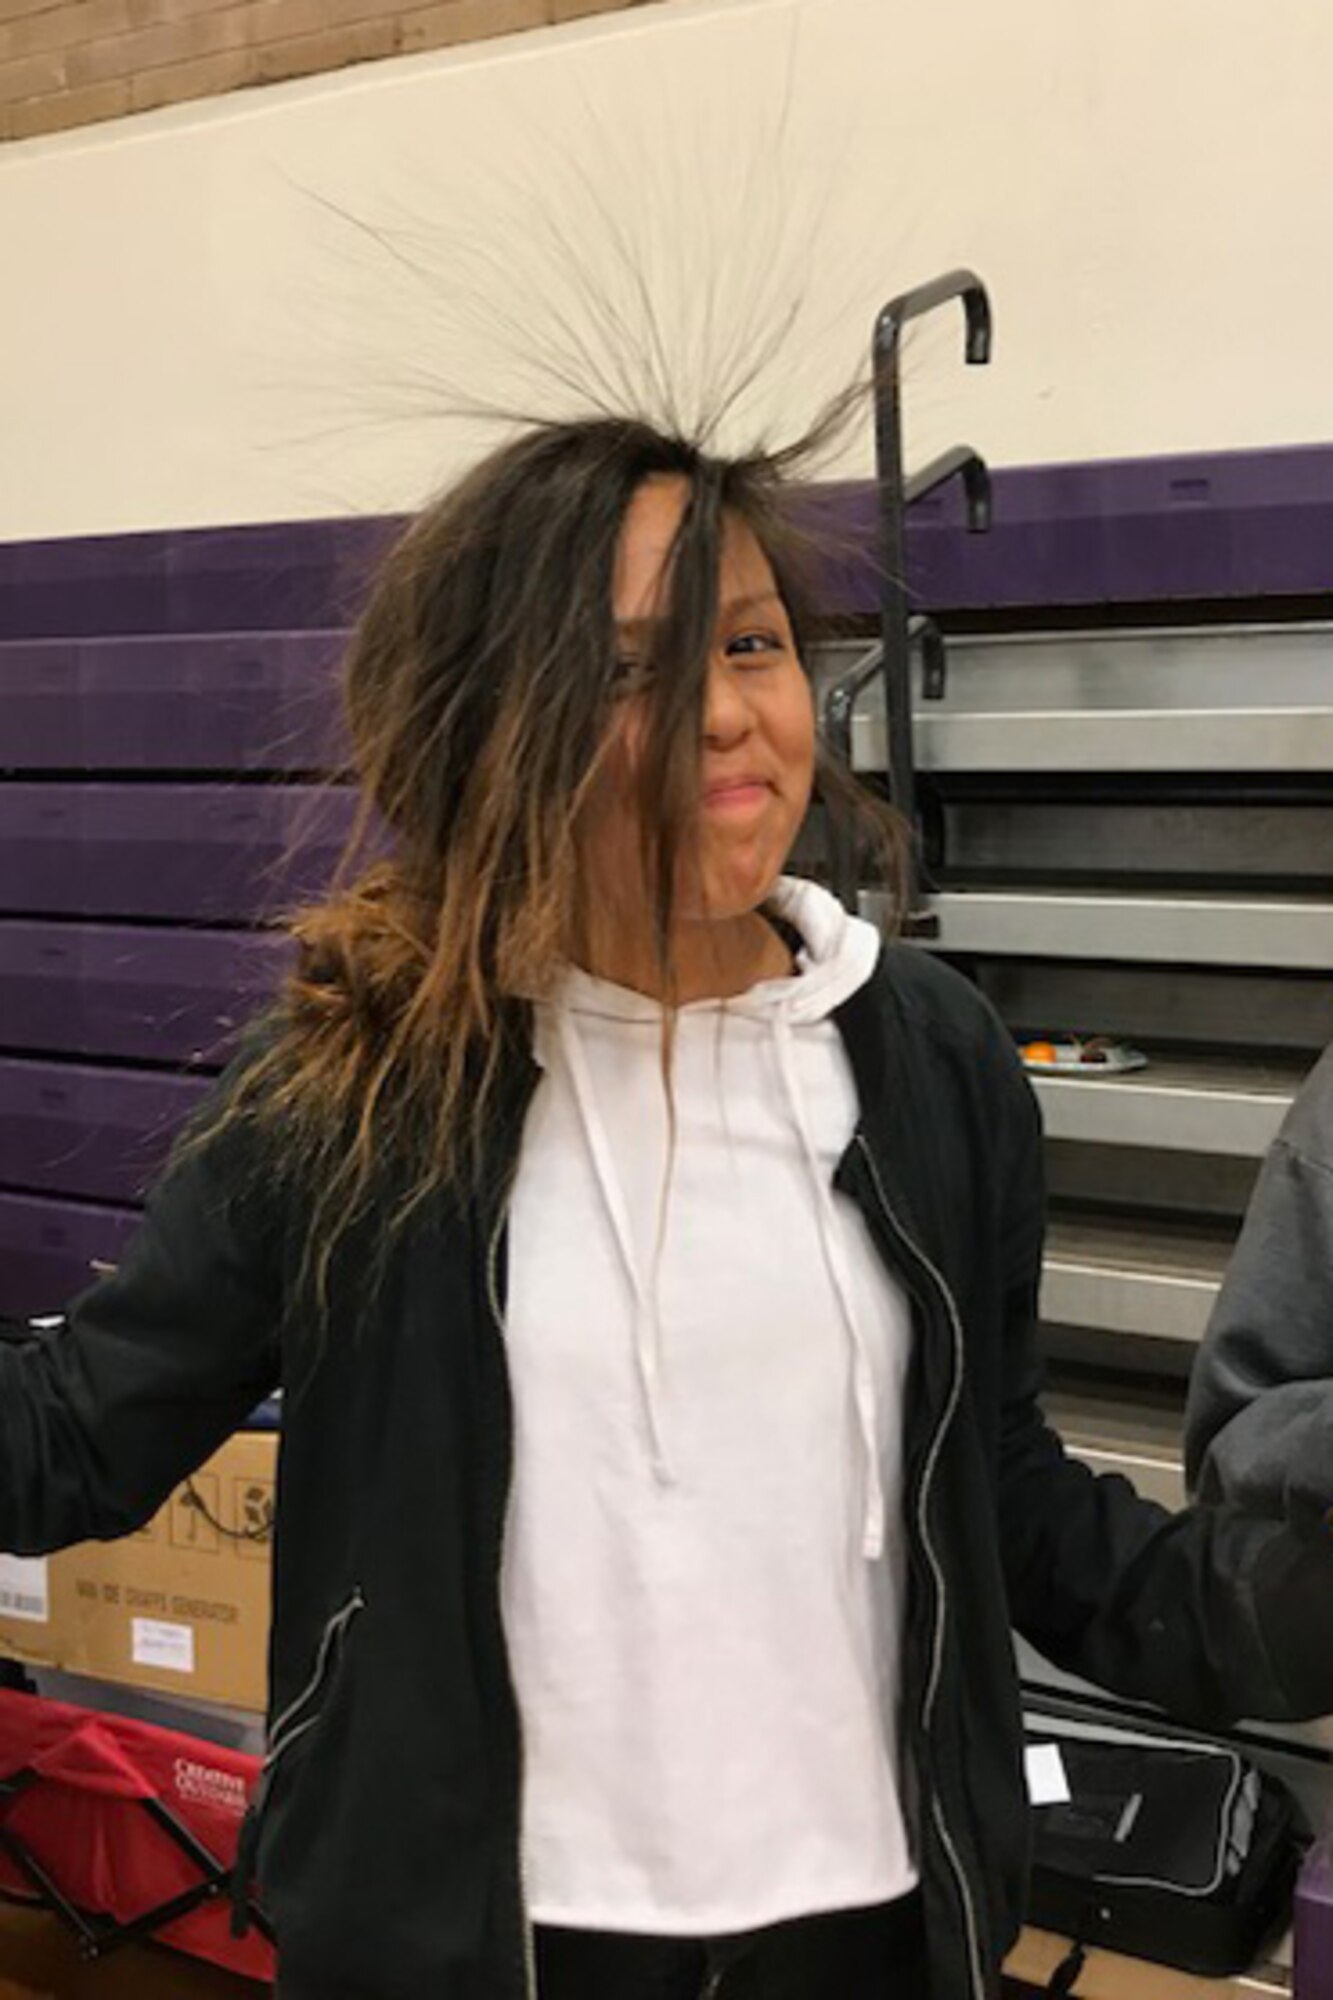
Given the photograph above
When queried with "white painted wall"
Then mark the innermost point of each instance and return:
(189, 333)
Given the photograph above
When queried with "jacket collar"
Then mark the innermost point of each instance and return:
(895, 1109)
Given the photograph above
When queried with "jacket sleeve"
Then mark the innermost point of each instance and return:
(1211, 1613)
(154, 1366)
(1259, 1422)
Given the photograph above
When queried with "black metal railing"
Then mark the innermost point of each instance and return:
(896, 493)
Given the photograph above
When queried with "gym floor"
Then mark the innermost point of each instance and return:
(40, 1961)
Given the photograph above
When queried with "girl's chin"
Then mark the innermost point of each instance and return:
(728, 896)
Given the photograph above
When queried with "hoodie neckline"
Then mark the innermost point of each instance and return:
(835, 956)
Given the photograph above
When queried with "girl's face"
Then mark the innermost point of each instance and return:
(757, 749)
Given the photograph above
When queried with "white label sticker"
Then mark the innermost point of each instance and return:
(24, 1590)
(157, 1645)
(1045, 1767)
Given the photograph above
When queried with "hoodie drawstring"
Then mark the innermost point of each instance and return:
(647, 1316)
(840, 954)
(863, 1380)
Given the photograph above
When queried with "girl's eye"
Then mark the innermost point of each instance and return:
(748, 644)
(630, 676)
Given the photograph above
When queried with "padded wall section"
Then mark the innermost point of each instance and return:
(130, 993)
(169, 752)
(50, 1248)
(81, 1129)
(246, 702)
(207, 853)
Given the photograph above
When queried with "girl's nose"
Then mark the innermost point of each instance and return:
(727, 717)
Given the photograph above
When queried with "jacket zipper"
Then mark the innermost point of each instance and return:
(285, 1728)
(923, 1525)
(529, 1953)
(284, 1732)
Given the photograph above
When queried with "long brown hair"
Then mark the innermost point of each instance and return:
(478, 687)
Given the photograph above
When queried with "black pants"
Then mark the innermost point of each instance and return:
(876, 1954)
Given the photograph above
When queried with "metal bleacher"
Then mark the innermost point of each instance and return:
(1131, 833)
(1119, 713)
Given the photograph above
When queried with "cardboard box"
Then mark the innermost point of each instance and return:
(181, 1606)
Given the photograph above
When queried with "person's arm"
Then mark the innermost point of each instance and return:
(1259, 1421)
(1210, 1613)
(155, 1365)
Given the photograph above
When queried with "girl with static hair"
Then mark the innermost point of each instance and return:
(649, 1255)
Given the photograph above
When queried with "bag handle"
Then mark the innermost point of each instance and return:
(1061, 1983)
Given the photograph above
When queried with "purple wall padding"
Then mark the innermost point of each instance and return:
(236, 702)
(72, 1129)
(135, 994)
(1243, 524)
(47, 1249)
(301, 575)
(212, 853)
(1209, 526)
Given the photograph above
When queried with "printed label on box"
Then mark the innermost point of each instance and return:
(25, 1588)
(155, 1644)
(194, 1515)
(254, 1503)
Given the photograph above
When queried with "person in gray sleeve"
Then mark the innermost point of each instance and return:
(1259, 1420)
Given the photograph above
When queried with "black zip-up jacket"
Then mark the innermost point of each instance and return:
(388, 1831)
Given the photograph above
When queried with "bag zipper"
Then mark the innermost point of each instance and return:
(933, 1678)
(285, 1731)
(1226, 1813)
(528, 1946)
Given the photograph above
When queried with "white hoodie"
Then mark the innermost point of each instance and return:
(704, 1568)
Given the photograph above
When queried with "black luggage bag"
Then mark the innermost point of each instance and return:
(1179, 1852)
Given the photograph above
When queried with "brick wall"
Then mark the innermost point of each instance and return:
(76, 62)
